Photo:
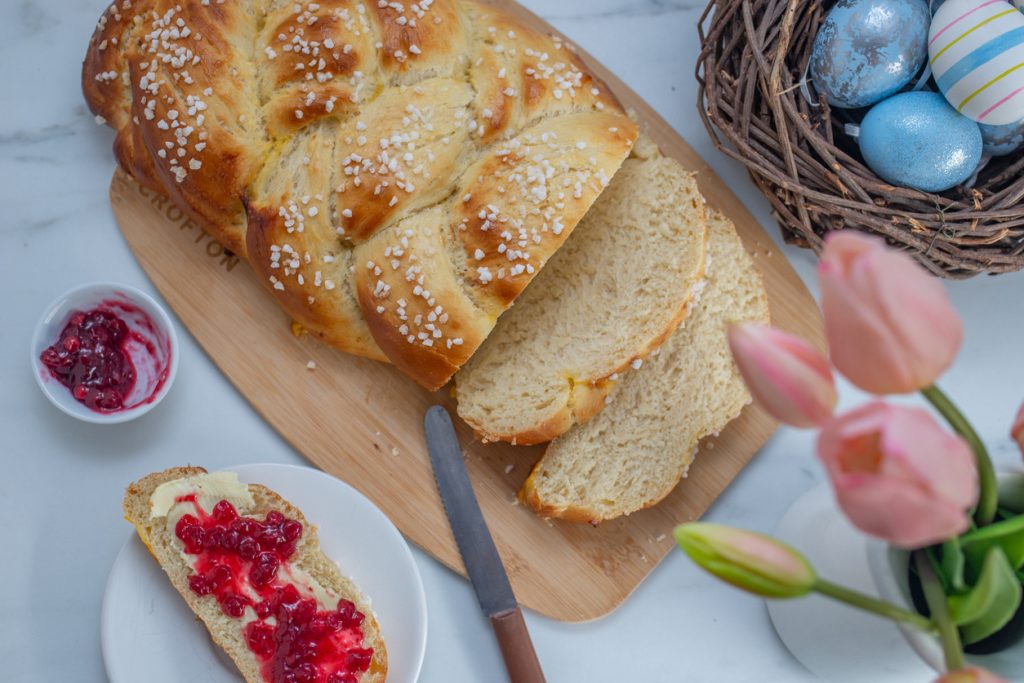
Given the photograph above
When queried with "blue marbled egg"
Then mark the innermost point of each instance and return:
(917, 140)
(1002, 140)
(867, 50)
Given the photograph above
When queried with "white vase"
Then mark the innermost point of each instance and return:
(890, 573)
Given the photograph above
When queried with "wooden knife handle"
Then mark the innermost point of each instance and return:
(516, 647)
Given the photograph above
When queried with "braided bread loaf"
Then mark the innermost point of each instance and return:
(395, 172)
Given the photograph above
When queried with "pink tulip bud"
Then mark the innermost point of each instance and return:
(970, 674)
(786, 375)
(891, 328)
(1017, 431)
(748, 560)
(898, 475)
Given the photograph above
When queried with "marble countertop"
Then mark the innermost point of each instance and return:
(61, 480)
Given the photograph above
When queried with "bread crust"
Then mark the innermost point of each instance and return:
(322, 127)
(576, 514)
(308, 556)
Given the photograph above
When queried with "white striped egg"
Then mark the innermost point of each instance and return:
(976, 51)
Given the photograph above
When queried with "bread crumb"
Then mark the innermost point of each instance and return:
(509, 468)
(394, 451)
(660, 538)
(311, 365)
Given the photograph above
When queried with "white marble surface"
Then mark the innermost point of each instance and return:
(61, 480)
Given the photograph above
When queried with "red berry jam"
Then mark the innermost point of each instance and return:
(90, 360)
(243, 563)
(111, 358)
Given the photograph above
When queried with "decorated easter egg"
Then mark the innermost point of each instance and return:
(976, 50)
(867, 50)
(936, 4)
(1002, 140)
(917, 140)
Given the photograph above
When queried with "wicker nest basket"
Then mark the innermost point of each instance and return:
(753, 58)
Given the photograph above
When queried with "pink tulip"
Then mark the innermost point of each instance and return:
(891, 328)
(786, 375)
(1017, 431)
(970, 674)
(898, 475)
(748, 560)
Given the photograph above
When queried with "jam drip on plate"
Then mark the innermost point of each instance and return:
(90, 359)
(243, 563)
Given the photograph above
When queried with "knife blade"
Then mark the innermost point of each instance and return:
(479, 554)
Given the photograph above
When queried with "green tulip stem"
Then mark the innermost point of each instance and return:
(988, 497)
(935, 596)
(870, 604)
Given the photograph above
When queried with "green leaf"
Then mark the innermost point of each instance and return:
(1008, 535)
(952, 566)
(991, 603)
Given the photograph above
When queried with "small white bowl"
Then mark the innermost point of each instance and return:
(161, 333)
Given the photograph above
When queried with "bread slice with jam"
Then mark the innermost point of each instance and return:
(249, 565)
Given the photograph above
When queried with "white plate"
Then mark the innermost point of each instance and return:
(836, 642)
(149, 634)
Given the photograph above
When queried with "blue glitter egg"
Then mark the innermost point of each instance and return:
(1002, 140)
(867, 50)
(917, 140)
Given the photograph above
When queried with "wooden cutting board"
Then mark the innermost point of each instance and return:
(362, 421)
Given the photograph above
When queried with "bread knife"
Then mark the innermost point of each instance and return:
(483, 564)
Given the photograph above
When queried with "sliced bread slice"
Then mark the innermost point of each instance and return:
(613, 293)
(155, 504)
(636, 450)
